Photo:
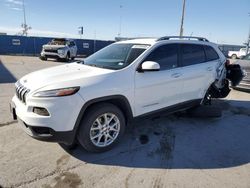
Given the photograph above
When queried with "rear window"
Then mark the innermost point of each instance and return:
(192, 54)
(211, 54)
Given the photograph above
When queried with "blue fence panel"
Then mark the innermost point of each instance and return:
(21, 45)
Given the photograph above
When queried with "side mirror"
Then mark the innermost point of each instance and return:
(150, 66)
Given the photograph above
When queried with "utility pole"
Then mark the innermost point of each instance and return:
(120, 22)
(248, 40)
(24, 25)
(182, 18)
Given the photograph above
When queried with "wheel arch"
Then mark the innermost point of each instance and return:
(68, 53)
(119, 100)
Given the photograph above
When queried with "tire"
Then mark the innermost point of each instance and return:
(43, 58)
(205, 112)
(95, 119)
(234, 56)
(67, 57)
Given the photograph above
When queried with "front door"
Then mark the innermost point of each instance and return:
(159, 89)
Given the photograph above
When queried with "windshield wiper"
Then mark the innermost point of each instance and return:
(94, 65)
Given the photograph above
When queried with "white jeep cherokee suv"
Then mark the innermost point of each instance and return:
(93, 101)
(59, 48)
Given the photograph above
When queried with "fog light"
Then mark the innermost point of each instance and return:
(40, 111)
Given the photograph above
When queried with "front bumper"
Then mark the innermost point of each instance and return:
(58, 126)
(48, 134)
(53, 55)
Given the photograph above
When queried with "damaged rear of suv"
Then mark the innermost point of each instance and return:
(93, 101)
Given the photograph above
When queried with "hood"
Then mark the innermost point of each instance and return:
(62, 73)
(52, 47)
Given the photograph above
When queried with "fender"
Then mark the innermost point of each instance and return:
(119, 100)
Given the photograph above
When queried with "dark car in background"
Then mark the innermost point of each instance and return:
(245, 65)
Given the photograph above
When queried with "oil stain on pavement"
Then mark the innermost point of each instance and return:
(65, 179)
(62, 160)
(144, 139)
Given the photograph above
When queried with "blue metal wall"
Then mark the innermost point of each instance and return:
(21, 45)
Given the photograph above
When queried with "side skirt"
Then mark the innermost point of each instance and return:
(171, 109)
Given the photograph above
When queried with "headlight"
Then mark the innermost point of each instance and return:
(57, 92)
(61, 51)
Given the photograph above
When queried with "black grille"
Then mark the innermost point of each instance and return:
(50, 50)
(21, 92)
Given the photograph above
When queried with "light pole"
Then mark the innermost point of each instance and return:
(80, 31)
(182, 18)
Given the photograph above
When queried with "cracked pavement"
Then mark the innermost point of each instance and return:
(164, 151)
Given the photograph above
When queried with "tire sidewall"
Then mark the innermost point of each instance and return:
(90, 117)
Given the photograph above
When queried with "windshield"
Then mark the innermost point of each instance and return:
(58, 42)
(116, 56)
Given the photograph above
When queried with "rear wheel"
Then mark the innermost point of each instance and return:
(101, 128)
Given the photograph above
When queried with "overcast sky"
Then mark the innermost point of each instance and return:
(221, 21)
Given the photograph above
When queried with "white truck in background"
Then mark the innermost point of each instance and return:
(238, 54)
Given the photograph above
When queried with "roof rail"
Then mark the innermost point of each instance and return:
(132, 38)
(183, 37)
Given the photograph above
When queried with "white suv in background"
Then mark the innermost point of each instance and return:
(93, 101)
(238, 54)
(60, 49)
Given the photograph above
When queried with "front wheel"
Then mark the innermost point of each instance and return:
(43, 58)
(67, 57)
(102, 127)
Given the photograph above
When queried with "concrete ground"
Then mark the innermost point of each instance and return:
(166, 151)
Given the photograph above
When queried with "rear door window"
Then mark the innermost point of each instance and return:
(211, 54)
(192, 54)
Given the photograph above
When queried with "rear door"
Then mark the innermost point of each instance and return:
(199, 64)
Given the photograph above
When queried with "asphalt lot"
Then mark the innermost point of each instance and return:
(166, 151)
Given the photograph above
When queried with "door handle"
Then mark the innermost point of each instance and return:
(209, 68)
(176, 75)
